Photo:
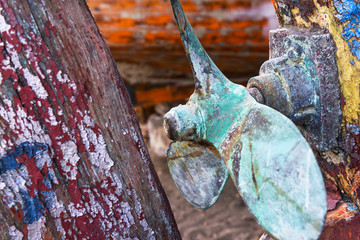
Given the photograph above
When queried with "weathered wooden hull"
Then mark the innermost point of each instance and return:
(73, 162)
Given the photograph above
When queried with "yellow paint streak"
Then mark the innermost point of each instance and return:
(348, 73)
(349, 184)
(297, 16)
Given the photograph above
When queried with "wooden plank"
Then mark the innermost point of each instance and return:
(73, 161)
(151, 97)
(235, 32)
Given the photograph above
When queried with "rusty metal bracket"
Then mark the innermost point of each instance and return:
(301, 81)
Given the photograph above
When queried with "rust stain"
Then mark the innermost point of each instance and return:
(217, 171)
(187, 169)
(340, 213)
(185, 166)
(208, 84)
(195, 154)
(253, 171)
(254, 180)
(232, 139)
(236, 160)
(197, 165)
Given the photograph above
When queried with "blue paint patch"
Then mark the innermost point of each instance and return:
(352, 207)
(34, 149)
(352, 62)
(353, 128)
(47, 182)
(32, 207)
(8, 162)
(349, 11)
(50, 198)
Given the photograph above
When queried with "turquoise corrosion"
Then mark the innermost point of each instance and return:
(268, 159)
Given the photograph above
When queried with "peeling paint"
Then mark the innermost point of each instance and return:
(41, 132)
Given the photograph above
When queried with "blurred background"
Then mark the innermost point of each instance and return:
(146, 46)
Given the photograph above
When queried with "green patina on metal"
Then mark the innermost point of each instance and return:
(268, 159)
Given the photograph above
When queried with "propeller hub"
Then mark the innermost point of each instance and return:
(181, 123)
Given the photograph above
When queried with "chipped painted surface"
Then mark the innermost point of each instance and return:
(62, 175)
(349, 13)
(270, 162)
(340, 165)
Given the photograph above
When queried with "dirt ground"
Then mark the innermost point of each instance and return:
(228, 219)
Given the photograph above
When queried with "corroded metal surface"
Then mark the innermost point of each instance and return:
(340, 165)
(269, 161)
(301, 81)
(198, 172)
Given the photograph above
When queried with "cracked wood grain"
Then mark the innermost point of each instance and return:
(73, 163)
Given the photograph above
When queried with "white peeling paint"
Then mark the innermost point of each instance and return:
(24, 126)
(57, 208)
(60, 228)
(60, 78)
(33, 81)
(89, 121)
(64, 78)
(4, 27)
(75, 212)
(52, 119)
(36, 229)
(70, 159)
(126, 215)
(14, 183)
(144, 224)
(14, 233)
(100, 156)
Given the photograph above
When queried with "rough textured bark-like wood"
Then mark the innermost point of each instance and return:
(73, 162)
(341, 165)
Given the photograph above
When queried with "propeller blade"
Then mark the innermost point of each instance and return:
(198, 172)
(275, 171)
(206, 73)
